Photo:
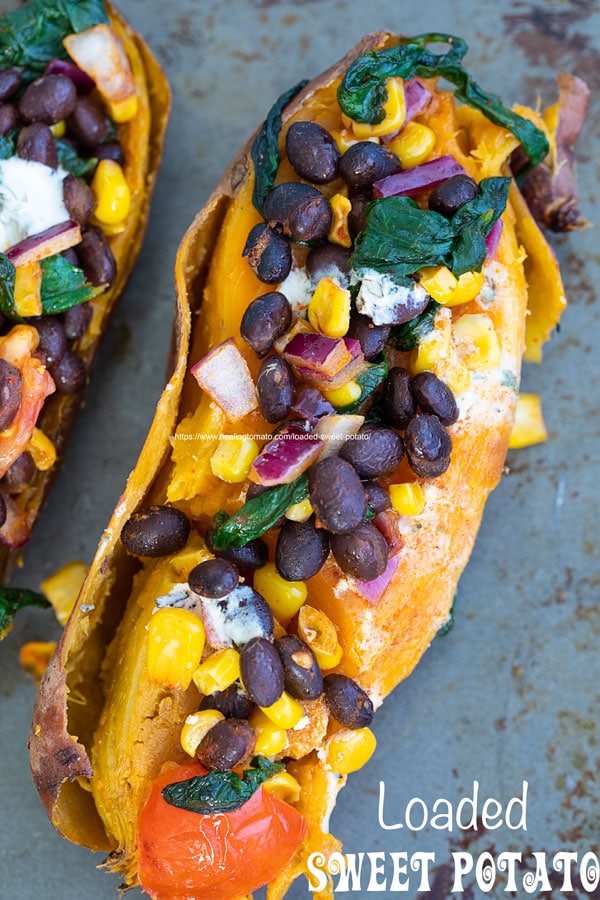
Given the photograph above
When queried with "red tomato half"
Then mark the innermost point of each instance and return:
(223, 856)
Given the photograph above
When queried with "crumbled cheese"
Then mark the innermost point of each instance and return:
(180, 596)
(234, 619)
(298, 288)
(31, 199)
(383, 300)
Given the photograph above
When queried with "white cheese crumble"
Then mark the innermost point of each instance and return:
(298, 288)
(31, 199)
(383, 300)
(234, 619)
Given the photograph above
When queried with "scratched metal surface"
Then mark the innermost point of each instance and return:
(511, 694)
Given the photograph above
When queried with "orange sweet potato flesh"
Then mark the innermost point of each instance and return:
(101, 731)
(142, 142)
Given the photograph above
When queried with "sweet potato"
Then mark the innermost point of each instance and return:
(99, 717)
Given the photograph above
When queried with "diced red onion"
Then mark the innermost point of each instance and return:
(311, 405)
(80, 79)
(373, 590)
(387, 523)
(47, 243)
(99, 52)
(335, 430)
(290, 453)
(419, 178)
(224, 375)
(320, 354)
(416, 97)
(356, 365)
(493, 239)
(16, 529)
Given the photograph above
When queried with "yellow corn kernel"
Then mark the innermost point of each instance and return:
(34, 657)
(285, 712)
(175, 644)
(477, 341)
(42, 450)
(63, 586)
(113, 198)
(407, 499)
(441, 284)
(122, 110)
(59, 128)
(339, 233)
(196, 726)
(345, 137)
(233, 457)
(435, 347)
(28, 289)
(284, 597)
(395, 113)
(318, 631)
(270, 738)
(217, 672)
(329, 308)
(348, 393)
(529, 427)
(349, 749)
(284, 785)
(413, 145)
(299, 512)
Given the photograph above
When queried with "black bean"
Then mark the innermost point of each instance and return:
(69, 373)
(378, 496)
(347, 702)
(301, 673)
(36, 143)
(88, 123)
(362, 553)
(451, 194)
(299, 210)
(8, 118)
(301, 550)
(327, 259)
(19, 474)
(155, 531)
(357, 217)
(364, 163)
(434, 396)
(53, 340)
(110, 150)
(214, 578)
(265, 320)
(48, 100)
(96, 258)
(375, 451)
(262, 672)
(2, 510)
(427, 441)
(226, 744)
(77, 319)
(71, 256)
(372, 338)
(312, 152)
(79, 199)
(11, 390)
(10, 82)
(337, 494)
(275, 388)
(253, 555)
(269, 254)
(233, 702)
(398, 400)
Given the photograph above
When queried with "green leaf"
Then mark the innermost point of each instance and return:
(259, 514)
(473, 222)
(8, 144)
(7, 289)
(448, 625)
(14, 599)
(265, 149)
(407, 336)
(362, 92)
(220, 791)
(32, 35)
(369, 380)
(64, 285)
(70, 160)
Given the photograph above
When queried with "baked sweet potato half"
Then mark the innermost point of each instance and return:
(344, 379)
(84, 110)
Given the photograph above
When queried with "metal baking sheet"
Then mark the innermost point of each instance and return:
(511, 695)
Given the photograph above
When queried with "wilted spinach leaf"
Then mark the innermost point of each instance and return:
(70, 160)
(220, 791)
(369, 381)
(407, 336)
(14, 599)
(64, 285)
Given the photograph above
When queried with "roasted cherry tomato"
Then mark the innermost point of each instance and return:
(222, 856)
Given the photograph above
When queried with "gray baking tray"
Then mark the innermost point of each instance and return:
(511, 695)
